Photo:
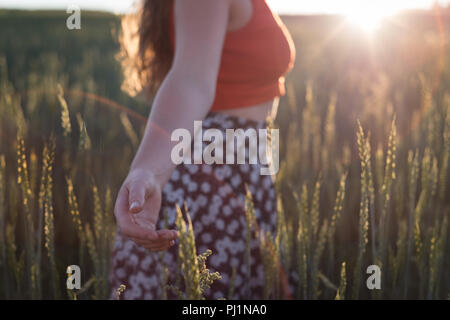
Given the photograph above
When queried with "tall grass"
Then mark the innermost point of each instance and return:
(306, 252)
(350, 194)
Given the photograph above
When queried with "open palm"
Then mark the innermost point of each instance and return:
(137, 211)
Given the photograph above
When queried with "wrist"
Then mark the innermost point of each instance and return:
(160, 176)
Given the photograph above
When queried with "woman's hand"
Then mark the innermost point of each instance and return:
(137, 210)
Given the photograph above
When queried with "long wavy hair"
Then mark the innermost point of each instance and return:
(146, 54)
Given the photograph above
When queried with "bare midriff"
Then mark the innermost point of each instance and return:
(257, 112)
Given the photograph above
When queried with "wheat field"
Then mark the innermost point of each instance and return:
(364, 175)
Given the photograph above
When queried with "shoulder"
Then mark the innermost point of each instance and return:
(201, 21)
(201, 5)
(191, 10)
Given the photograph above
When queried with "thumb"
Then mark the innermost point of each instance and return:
(136, 197)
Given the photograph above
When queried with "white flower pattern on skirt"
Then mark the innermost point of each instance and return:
(215, 197)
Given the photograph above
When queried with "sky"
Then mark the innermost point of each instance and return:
(279, 6)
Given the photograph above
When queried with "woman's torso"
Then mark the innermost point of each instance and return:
(241, 13)
(258, 52)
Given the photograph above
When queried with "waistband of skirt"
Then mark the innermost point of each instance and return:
(226, 121)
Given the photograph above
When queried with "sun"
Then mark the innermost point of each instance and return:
(366, 15)
(367, 21)
(369, 17)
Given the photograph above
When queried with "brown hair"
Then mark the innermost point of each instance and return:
(146, 54)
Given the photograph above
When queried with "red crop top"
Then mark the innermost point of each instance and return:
(255, 60)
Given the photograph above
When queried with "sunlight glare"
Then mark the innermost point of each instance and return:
(366, 15)
(367, 19)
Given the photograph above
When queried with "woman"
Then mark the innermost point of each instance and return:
(223, 62)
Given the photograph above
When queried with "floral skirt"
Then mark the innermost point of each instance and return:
(215, 198)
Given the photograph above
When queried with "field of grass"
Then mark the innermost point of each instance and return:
(364, 177)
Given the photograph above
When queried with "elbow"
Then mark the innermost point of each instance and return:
(202, 88)
(205, 92)
(211, 93)
(202, 93)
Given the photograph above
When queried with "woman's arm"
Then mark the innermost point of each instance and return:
(185, 95)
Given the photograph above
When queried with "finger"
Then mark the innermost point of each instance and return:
(159, 248)
(153, 243)
(154, 247)
(166, 245)
(164, 237)
(136, 196)
(123, 217)
(131, 229)
(167, 234)
(147, 245)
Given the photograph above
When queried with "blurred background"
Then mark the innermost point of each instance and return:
(351, 195)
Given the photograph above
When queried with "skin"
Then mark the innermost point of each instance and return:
(188, 91)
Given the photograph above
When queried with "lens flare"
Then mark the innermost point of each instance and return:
(366, 19)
